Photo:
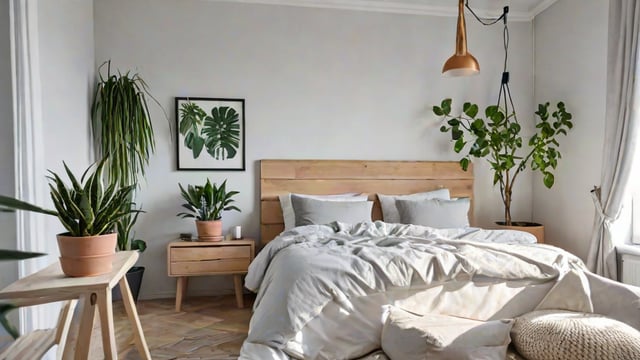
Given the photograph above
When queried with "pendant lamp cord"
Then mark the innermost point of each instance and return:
(504, 82)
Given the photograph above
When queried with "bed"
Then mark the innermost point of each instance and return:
(324, 291)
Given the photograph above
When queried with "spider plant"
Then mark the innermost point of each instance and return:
(123, 132)
(85, 207)
(122, 124)
(207, 202)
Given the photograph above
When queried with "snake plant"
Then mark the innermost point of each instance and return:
(207, 202)
(85, 207)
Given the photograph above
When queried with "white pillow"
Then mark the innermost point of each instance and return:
(388, 202)
(408, 336)
(290, 217)
(316, 212)
(436, 213)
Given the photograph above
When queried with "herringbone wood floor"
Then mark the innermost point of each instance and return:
(206, 328)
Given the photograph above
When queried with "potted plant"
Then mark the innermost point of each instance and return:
(206, 204)
(89, 212)
(123, 132)
(121, 124)
(127, 241)
(496, 138)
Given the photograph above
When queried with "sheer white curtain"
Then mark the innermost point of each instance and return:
(29, 152)
(622, 128)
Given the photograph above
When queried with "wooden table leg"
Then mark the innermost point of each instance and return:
(106, 325)
(62, 330)
(85, 329)
(132, 313)
(181, 290)
(237, 284)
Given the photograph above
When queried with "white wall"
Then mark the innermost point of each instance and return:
(66, 49)
(570, 65)
(318, 84)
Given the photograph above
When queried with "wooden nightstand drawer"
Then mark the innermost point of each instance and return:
(209, 266)
(198, 253)
(186, 258)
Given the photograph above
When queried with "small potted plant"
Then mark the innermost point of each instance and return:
(496, 137)
(127, 241)
(206, 204)
(89, 211)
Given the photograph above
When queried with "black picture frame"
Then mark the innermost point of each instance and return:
(202, 117)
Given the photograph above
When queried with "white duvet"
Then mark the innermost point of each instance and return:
(314, 268)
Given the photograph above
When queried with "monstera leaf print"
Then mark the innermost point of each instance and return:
(222, 132)
(191, 119)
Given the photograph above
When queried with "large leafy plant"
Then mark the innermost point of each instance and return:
(6, 307)
(496, 137)
(85, 207)
(207, 202)
(219, 132)
(6, 255)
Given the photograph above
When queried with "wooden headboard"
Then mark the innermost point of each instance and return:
(323, 177)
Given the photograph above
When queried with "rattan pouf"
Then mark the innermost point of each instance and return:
(566, 335)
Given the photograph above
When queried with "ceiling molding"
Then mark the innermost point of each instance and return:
(398, 7)
(542, 6)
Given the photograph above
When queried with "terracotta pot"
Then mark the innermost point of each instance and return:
(210, 230)
(86, 255)
(532, 228)
(86, 266)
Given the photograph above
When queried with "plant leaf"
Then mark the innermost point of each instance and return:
(222, 133)
(548, 179)
(4, 309)
(17, 255)
(15, 204)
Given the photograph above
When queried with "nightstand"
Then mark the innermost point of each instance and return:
(199, 258)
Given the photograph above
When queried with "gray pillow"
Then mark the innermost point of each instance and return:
(312, 211)
(435, 213)
(388, 202)
(287, 210)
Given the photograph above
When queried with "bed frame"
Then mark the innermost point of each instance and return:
(365, 176)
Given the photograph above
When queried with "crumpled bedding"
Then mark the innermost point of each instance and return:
(297, 274)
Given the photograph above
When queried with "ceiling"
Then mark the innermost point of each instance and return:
(520, 10)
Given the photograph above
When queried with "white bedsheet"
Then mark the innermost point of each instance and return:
(352, 270)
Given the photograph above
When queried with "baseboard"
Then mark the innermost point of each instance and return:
(195, 292)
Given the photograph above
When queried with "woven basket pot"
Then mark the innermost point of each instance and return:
(86, 255)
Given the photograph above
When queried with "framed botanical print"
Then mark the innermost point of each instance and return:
(210, 134)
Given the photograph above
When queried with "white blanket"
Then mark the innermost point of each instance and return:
(304, 269)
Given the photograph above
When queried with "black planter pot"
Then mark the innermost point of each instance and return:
(134, 278)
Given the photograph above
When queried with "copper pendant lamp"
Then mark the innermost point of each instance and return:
(462, 63)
